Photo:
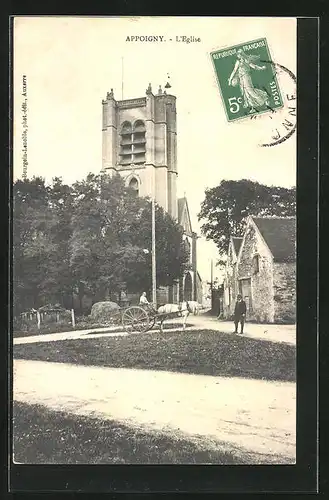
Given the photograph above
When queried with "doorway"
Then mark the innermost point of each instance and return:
(188, 287)
(245, 291)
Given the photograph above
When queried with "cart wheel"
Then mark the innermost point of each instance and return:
(136, 319)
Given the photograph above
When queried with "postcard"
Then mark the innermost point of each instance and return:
(154, 240)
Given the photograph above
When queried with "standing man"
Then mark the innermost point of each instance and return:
(239, 313)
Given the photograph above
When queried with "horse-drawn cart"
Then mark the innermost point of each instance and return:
(143, 318)
(138, 318)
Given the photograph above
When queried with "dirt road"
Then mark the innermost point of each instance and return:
(273, 333)
(255, 415)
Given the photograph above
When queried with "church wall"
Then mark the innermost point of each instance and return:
(160, 109)
(172, 189)
(132, 114)
(110, 145)
(160, 144)
(109, 139)
(161, 186)
(147, 186)
(150, 138)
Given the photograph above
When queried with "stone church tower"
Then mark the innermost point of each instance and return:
(140, 144)
(149, 166)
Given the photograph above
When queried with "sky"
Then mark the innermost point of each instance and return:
(70, 63)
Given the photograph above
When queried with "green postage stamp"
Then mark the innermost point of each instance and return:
(247, 79)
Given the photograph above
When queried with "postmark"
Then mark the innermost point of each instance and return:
(247, 79)
(253, 86)
(280, 124)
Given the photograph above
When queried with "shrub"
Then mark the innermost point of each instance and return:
(24, 323)
(104, 311)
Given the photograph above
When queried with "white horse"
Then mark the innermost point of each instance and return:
(194, 306)
(169, 311)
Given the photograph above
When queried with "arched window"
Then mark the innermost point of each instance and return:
(133, 184)
(139, 127)
(139, 141)
(126, 150)
(126, 128)
(132, 143)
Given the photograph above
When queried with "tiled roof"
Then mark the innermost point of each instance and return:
(236, 244)
(279, 234)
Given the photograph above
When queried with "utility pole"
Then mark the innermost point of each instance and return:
(154, 286)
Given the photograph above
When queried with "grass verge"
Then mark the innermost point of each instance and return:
(203, 352)
(42, 436)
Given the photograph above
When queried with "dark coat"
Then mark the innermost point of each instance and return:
(240, 308)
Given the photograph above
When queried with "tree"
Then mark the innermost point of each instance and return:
(59, 276)
(171, 254)
(40, 234)
(110, 246)
(31, 246)
(89, 238)
(226, 207)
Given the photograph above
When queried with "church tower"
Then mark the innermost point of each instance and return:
(140, 143)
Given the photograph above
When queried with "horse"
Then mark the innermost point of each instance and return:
(174, 310)
(194, 306)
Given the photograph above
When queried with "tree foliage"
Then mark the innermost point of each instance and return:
(226, 207)
(92, 237)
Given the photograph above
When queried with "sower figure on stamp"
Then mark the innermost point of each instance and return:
(252, 97)
(239, 313)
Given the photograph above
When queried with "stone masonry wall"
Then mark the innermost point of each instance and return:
(285, 292)
(261, 300)
(229, 285)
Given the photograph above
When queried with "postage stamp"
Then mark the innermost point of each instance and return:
(247, 79)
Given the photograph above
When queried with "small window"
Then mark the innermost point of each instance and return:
(256, 264)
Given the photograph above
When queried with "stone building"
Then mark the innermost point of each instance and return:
(140, 144)
(262, 267)
(230, 280)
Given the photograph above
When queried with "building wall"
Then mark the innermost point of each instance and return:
(270, 290)
(261, 294)
(199, 290)
(285, 292)
(230, 285)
